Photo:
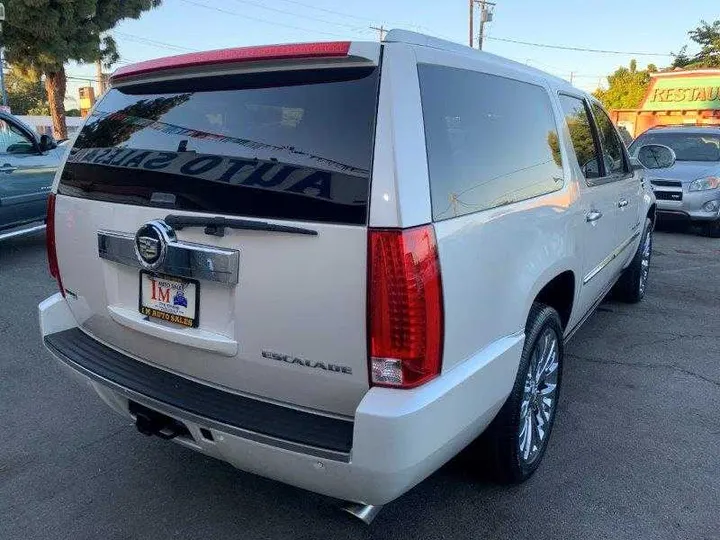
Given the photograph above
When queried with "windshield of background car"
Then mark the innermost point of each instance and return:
(687, 146)
(290, 145)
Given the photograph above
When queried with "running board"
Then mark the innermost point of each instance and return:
(22, 232)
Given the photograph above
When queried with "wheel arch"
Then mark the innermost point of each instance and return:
(559, 293)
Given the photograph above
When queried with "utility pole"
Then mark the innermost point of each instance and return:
(100, 77)
(2, 60)
(572, 74)
(486, 15)
(472, 16)
(381, 31)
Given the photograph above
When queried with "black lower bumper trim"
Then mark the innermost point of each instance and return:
(276, 421)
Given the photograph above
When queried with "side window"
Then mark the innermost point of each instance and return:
(581, 133)
(610, 142)
(491, 141)
(13, 141)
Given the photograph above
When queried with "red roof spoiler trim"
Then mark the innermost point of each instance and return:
(241, 54)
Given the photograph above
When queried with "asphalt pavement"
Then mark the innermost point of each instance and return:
(635, 453)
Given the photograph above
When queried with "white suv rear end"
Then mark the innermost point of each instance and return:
(299, 260)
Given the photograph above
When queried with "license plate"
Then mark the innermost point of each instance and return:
(169, 298)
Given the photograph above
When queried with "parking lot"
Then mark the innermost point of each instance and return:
(635, 451)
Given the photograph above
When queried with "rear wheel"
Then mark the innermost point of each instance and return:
(518, 436)
(631, 286)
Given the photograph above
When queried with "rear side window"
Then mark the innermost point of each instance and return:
(491, 141)
(581, 135)
(285, 146)
(612, 145)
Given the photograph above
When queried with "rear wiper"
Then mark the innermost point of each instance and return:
(216, 225)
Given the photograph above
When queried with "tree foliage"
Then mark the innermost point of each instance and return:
(26, 94)
(41, 36)
(626, 87)
(707, 36)
(117, 128)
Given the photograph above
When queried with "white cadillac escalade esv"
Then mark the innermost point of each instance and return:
(338, 264)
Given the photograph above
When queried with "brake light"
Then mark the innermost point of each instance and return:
(50, 242)
(405, 315)
(288, 51)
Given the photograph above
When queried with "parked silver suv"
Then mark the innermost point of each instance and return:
(337, 264)
(690, 189)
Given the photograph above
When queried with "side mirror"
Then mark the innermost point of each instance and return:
(47, 143)
(636, 165)
(656, 156)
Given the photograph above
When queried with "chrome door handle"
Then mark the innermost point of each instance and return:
(622, 203)
(593, 215)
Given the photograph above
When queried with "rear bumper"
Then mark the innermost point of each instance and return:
(395, 440)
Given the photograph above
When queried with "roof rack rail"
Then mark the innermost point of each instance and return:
(414, 38)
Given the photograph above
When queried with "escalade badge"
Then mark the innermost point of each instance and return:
(289, 359)
(151, 242)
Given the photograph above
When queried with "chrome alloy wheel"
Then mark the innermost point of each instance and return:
(539, 397)
(645, 261)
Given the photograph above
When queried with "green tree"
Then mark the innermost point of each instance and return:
(626, 87)
(707, 36)
(41, 36)
(26, 94)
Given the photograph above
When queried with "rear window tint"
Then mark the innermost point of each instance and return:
(284, 149)
(491, 141)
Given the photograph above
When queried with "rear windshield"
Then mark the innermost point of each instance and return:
(273, 146)
(687, 146)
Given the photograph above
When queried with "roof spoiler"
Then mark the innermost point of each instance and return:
(260, 57)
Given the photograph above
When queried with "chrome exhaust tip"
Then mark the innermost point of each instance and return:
(364, 512)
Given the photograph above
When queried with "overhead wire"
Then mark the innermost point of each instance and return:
(353, 27)
(578, 49)
(258, 19)
(155, 42)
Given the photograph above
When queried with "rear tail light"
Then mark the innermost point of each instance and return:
(50, 242)
(405, 316)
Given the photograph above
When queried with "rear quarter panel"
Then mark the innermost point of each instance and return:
(495, 262)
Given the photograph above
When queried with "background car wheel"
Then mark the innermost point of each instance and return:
(632, 284)
(712, 229)
(517, 438)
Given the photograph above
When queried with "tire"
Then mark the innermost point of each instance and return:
(514, 457)
(632, 284)
(712, 229)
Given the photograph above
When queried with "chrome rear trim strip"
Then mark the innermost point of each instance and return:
(183, 259)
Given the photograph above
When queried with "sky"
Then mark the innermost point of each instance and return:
(657, 27)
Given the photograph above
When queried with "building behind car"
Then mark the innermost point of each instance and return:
(676, 97)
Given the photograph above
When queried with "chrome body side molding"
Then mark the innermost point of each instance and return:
(607, 260)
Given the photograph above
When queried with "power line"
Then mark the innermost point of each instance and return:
(294, 14)
(258, 19)
(580, 49)
(340, 13)
(154, 42)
